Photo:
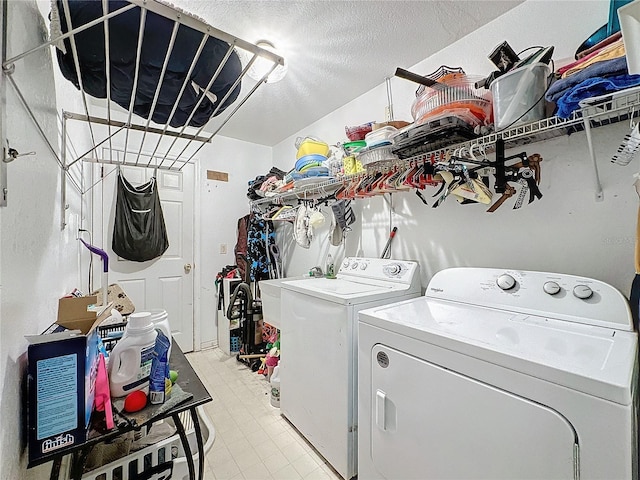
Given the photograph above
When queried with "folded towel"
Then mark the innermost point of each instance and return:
(615, 50)
(616, 66)
(593, 87)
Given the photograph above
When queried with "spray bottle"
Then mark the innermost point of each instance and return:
(330, 270)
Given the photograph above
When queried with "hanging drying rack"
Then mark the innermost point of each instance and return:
(613, 108)
(186, 141)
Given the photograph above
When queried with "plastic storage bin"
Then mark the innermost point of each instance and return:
(131, 466)
(518, 96)
(380, 136)
(311, 146)
(456, 95)
(374, 155)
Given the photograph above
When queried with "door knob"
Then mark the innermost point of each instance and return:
(187, 267)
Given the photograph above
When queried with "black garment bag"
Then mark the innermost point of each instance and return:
(139, 232)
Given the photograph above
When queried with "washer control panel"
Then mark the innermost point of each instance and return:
(377, 268)
(551, 287)
(578, 299)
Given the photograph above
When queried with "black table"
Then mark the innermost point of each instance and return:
(187, 380)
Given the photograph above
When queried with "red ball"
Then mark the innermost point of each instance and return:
(135, 401)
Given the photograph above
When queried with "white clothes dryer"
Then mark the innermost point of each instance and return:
(499, 375)
(318, 368)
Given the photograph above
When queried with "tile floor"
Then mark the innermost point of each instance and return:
(253, 441)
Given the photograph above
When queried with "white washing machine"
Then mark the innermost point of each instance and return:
(499, 374)
(318, 372)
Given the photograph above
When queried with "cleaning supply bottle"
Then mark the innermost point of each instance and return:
(159, 379)
(275, 387)
(330, 270)
(160, 321)
(130, 360)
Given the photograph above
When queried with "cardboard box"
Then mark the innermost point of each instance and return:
(61, 373)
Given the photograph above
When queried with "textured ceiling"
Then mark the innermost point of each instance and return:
(335, 50)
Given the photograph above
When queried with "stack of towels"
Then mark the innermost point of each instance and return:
(600, 72)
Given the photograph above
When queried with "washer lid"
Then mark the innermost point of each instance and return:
(346, 291)
(594, 360)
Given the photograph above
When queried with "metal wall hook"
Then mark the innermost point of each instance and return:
(12, 154)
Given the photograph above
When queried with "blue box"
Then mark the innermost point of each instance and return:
(61, 374)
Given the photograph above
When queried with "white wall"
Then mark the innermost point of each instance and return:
(39, 260)
(566, 231)
(221, 205)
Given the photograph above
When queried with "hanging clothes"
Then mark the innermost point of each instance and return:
(139, 231)
(260, 238)
(256, 236)
(240, 250)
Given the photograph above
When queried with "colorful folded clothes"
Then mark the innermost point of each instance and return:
(615, 50)
(593, 87)
(606, 68)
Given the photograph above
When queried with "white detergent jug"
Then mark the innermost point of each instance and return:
(130, 359)
(275, 387)
(160, 321)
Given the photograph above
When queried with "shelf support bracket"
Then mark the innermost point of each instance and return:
(592, 154)
(4, 150)
(63, 175)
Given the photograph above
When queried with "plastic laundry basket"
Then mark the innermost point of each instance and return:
(235, 344)
(132, 465)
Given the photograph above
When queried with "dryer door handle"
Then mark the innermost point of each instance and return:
(381, 398)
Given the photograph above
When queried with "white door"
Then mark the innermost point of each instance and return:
(165, 282)
(428, 422)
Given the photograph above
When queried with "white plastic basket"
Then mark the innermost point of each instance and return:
(127, 467)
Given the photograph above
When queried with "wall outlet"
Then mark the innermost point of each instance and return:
(223, 248)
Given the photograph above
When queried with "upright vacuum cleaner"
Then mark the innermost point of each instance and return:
(247, 311)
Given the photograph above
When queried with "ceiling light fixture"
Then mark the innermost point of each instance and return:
(262, 65)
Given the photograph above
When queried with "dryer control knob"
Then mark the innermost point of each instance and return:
(551, 288)
(345, 263)
(392, 269)
(582, 291)
(506, 281)
(364, 266)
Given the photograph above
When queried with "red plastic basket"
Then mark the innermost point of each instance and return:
(357, 133)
